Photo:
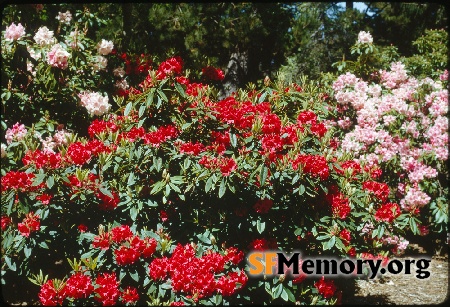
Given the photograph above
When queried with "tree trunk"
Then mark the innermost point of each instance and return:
(349, 5)
(127, 8)
(235, 74)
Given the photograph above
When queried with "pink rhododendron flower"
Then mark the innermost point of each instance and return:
(14, 32)
(58, 57)
(105, 47)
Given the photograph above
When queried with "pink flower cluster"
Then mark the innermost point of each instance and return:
(14, 32)
(16, 133)
(392, 124)
(58, 57)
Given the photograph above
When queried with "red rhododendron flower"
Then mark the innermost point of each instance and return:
(170, 67)
(345, 235)
(339, 203)
(82, 228)
(306, 117)
(96, 147)
(192, 148)
(16, 180)
(312, 164)
(41, 159)
(271, 124)
(326, 287)
(106, 202)
(102, 241)
(179, 303)
(48, 296)
(78, 286)
(29, 224)
(381, 190)
(353, 166)
(263, 244)
(158, 268)
(5, 222)
(44, 198)
(161, 135)
(263, 206)
(108, 292)
(126, 255)
(121, 233)
(299, 279)
(213, 73)
(318, 129)
(388, 212)
(129, 295)
(77, 154)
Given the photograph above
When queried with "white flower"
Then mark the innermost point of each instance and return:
(105, 47)
(14, 32)
(64, 17)
(119, 72)
(58, 56)
(100, 63)
(94, 102)
(364, 38)
(16, 133)
(44, 36)
(3, 150)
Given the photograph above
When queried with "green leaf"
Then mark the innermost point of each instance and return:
(222, 188)
(50, 182)
(133, 213)
(263, 175)
(301, 189)
(106, 192)
(208, 184)
(11, 265)
(276, 292)
(163, 96)
(284, 295)
(260, 226)
(142, 110)
(233, 139)
(134, 275)
(128, 109)
(131, 180)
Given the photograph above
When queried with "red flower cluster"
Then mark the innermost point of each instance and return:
(29, 224)
(219, 141)
(131, 247)
(44, 198)
(106, 202)
(263, 244)
(388, 212)
(196, 276)
(346, 236)
(132, 135)
(271, 124)
(99, 126)
(353, 167)
(172, 66)
(339, 203)
(5, 222)
(77, 153)
(193, 89)
(49, 296)
(263, 206)
(16, 181)
(191, 148)
(212, 73)
(226, 165)
(161, 135)
(312, 164)
(136, 65)
(326, 287)
(78, 286)
(129, 295)
(42, 159)
(381, 190)
(90, 182)
(306, 117)
(108, 292)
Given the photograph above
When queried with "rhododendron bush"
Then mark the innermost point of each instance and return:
(162, 196)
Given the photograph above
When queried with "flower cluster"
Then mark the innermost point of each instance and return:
(58, 57)
(212, 73)
(95, 103)
(364, 38)
(30, 223)
(224, 164)
(197, 276)
(14, 32)
(16, 133)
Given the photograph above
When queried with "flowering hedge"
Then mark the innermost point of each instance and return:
(169, 188)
